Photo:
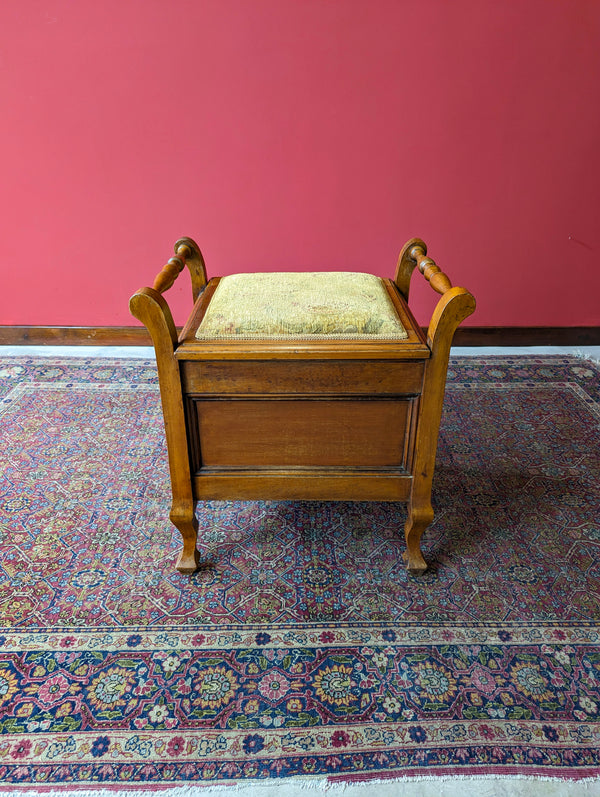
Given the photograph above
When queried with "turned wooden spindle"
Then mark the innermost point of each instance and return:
(172, 269)
(428, 268)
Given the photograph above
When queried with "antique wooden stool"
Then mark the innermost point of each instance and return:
(317, 386)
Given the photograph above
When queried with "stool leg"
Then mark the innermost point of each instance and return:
(454, 306)
(419, 517)
(183, 517)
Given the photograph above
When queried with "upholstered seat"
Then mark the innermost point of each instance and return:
(309, 305)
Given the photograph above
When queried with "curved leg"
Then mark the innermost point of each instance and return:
(453, 307)
(149, 306)
(183, 516)
(419, 517)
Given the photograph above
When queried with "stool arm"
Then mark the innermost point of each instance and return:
(148, 304)
(407, 264)
(187, 253)
(454, 306)
(414, 254)
(149, 307)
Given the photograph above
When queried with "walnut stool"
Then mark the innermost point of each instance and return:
(317, 386)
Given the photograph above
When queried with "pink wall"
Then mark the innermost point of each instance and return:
(290, 134)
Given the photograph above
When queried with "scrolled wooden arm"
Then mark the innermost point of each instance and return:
(150, 307)
(187, 253)
(454, 305)
(148, 304)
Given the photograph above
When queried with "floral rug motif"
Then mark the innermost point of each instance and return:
(303, 647)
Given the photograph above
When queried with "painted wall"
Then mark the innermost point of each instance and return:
(291, 134)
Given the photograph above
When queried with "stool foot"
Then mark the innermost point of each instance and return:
(183, 516)
(418, 520)
(188, 564)
(415, 565)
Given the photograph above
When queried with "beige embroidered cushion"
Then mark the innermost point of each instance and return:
(288, 305)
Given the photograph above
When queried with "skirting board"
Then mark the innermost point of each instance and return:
(138, 336)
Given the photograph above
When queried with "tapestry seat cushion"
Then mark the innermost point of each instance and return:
(305, 305)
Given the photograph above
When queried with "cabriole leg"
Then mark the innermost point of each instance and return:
(418, 519)
(150, 307)
(453, 307)
(183, 517)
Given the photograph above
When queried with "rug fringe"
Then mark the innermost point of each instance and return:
(583, 355)
(422, 786)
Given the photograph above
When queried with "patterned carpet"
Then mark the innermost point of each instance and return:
(303, 649)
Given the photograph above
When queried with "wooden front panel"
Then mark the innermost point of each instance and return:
(279, 433)
(300, 485)
(375, 377)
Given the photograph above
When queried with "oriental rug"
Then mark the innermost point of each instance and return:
(303, 649)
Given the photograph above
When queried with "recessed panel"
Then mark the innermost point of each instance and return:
(302, 433)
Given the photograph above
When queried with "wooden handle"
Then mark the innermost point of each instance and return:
(454, 305)
(187, 253)
(173, 268)
(414, 254)
(432, 273)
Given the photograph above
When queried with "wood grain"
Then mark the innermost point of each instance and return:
(291, 432)
(301, 377)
